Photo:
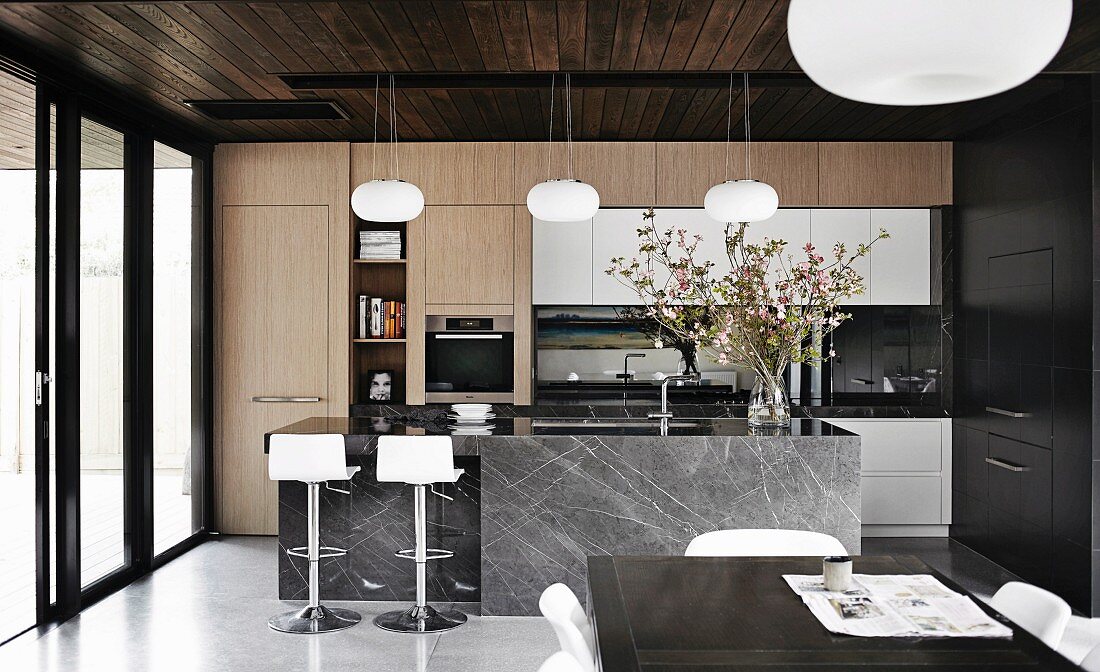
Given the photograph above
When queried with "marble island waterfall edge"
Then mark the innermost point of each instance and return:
(532, 508)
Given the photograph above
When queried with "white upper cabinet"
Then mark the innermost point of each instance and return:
(901, 265)
(561, 263)
(615, 234)
(851, 227)
(791, 225)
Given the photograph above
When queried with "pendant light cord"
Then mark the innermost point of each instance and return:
(374, 134)
(748, 131)
(550, 141)
(569, 119)
(393, 132)
(729, 123)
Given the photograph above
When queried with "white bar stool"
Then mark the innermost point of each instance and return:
(312, 459)
(419, 461)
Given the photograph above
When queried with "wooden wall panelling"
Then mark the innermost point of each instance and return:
(449, 173)
(259, 253)
(414, 305)
(623, 172)
(881, 173)
(947, 157)
(522, 305)
(469, 254)
(686, 170)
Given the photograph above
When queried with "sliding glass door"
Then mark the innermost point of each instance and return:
(104, 350)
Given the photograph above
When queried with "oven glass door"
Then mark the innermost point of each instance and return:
(459, 362)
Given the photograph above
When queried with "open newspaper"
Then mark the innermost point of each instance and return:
(895, 605)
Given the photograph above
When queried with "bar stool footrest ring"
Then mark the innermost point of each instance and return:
(430, 554)
(326, 552)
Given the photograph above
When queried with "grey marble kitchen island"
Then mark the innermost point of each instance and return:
(540, 495)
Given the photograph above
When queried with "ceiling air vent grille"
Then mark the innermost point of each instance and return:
(268, 109)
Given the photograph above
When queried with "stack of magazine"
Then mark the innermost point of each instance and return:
(895, 605)
(379, 244)
(379, 318)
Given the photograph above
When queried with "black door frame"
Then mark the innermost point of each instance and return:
(63, 503)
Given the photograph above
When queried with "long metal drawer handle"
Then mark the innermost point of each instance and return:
(862, 381)
(1010, 414)
(286, 400)
(1006, 465)
(482, 337)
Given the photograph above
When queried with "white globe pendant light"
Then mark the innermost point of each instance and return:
(562, 199)
(387, 200)
(744, 200)
(926, 52)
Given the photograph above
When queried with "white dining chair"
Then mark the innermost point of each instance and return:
(561, 607)
(1040, 612)
(743, 543)
(561, 662)
(1091, 663)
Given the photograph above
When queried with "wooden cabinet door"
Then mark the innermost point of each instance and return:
(271, 311)
(622, 172)
(901, 265)
(884, 173)
(469, 254)
(686, 170)
(561, 262)
(450, 173)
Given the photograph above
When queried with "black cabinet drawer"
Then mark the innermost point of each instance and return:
(1020, 523)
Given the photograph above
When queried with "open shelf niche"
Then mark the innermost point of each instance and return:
(385, 279)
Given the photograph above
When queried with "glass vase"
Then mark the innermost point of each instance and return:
(768, 403)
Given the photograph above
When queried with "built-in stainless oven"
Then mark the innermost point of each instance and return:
(469, 359)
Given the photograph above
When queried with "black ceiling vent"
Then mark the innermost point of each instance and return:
(269, 109)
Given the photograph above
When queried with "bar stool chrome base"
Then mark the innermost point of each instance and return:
(420, 619)
(312, 620)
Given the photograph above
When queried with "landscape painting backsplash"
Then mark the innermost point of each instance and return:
(585, 328)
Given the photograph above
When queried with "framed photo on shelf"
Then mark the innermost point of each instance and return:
(380, 384)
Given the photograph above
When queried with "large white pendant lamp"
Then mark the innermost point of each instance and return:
(927, 52)
(562, 199)
(744, 200)
(387, 200)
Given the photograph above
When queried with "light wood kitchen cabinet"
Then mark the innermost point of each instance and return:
(561, 262)
(448, 173)
(901, 265)
(622, 172)
(271, 358)
(851, 227)
(885, 173)
(469, 254)
(686, 170)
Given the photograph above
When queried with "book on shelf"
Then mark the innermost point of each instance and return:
(381, 319)
(379, 244)
(376, 318)
(364, 316)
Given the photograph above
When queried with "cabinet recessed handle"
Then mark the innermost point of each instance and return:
(1006, 465)
(862, 381)
(286, 400)
(1007, 413)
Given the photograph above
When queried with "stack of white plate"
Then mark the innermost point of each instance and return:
(471, 418)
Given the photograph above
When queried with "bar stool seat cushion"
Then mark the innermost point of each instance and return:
(310, 458)
(416, 460)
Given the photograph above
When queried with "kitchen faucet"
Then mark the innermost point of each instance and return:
(625, 375)
(665, 414)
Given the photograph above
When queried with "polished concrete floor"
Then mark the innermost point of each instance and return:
(208, 611)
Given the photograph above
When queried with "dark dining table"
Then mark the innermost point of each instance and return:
(694, 614)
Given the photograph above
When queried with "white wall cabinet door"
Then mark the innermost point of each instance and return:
(614, 234)
(851, 227)
(901, 265)
(561, 263)
(697, 222)
(789, 224)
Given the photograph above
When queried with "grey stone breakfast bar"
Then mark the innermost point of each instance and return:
(541, 494)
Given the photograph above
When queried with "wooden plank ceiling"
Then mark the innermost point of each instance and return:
(165, 53)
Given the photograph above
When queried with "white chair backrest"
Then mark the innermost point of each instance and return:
(1040, 612)
(418, 460)
(561, 662)
(561, 607)
(1091, 663)
(764, 542)
(306, 457)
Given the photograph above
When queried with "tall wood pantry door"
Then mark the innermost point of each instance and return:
(271, 353)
